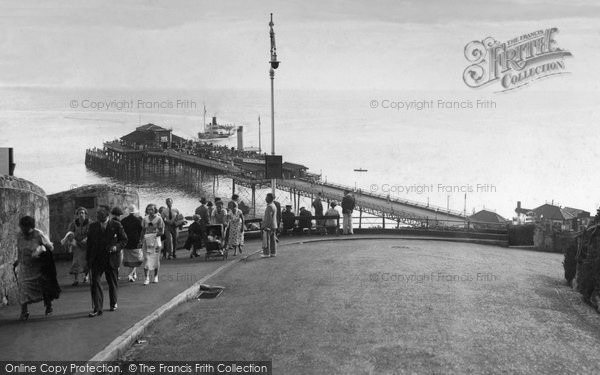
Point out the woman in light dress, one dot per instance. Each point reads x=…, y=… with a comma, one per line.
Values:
x=76, y=242
x=153, y=228
x=235, y=231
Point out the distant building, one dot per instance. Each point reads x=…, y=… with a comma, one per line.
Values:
x=582, y=217
x=486, y=219
x=524, y=215
x=291, y=170
x=151, y=136
x=566, y=218
x=486, y=216
x=253, y=170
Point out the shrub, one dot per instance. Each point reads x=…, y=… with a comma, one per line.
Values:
x=588, y=266
x=570, y=262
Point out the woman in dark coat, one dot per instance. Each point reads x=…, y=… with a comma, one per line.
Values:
x=195, y=235
x=36, y=275
x=132, y=253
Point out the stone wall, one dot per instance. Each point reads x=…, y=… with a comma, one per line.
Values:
x=18, y=198
x=546, y=238
x=64, y=204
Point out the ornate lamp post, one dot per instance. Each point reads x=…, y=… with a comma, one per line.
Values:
x=274, y=65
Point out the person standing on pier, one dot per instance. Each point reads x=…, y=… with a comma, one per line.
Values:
x=269, y=227
x=172, y=220
x=348, y=204
x=132, y=253
x=106, y=238
x=318, y=206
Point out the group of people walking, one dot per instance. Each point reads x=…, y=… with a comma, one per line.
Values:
x=100, y=247
x=208, y=216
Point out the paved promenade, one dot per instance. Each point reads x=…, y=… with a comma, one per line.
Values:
x=69, y=334
x=389, y=307
x=350, y=304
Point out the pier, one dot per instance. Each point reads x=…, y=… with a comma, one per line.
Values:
x=152, y=149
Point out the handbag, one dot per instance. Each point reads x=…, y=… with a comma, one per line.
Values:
x=152, y=242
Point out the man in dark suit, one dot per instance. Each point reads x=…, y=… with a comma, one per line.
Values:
x=106, y=238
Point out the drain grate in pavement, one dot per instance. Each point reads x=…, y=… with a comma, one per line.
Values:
x=209, y=292
x=400, y=247
x=208, y=295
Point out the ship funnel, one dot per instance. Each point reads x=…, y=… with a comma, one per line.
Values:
x=240, y=138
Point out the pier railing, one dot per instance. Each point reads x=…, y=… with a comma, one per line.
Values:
x=359, y=193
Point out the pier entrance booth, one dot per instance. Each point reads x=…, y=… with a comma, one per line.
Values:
x=64, y=204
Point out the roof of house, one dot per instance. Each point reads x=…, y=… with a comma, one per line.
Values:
x=551, y=212
x=487, y=217
x=576, y=212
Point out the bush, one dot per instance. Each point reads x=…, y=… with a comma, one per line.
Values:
x=588, y=266
x=570, y=262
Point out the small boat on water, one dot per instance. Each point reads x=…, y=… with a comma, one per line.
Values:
x=214, y=131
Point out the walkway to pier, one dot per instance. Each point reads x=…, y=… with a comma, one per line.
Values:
x=375, y=204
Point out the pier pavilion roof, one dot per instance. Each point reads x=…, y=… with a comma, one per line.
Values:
x=151, y=128
x=139, y=136
x=293, y=167
x=147, y=133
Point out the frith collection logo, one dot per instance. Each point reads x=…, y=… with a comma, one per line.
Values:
x=515, y=63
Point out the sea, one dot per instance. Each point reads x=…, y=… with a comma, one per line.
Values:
x=465, y=152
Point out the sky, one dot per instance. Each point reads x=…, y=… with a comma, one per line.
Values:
x=539, y=143
x=380, y=44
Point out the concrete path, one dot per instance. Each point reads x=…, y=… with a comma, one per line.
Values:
x=69, y=334
x=388, y=307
